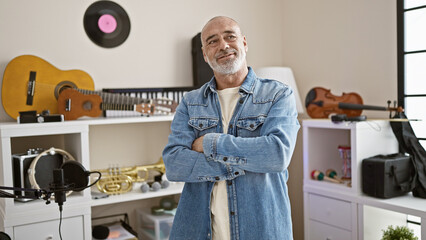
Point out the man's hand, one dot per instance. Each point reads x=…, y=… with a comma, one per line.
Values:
x=197, y=145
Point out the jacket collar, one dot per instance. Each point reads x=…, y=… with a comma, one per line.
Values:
x=247, y=86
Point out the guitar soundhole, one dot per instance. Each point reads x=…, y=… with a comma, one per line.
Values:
x=87, y=105
x=63, y=85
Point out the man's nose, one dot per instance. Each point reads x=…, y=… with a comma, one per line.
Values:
x=223, y=44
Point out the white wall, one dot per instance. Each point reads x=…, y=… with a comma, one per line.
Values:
x=158, y=50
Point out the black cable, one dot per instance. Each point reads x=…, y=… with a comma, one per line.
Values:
x=97, y=180
x=60, y=222
x=82, y=188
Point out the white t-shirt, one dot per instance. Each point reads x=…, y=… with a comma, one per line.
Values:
x=219, y=203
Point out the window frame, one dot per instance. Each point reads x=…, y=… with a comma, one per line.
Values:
x=401, y=53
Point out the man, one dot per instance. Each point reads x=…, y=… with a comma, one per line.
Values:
x=231, y=143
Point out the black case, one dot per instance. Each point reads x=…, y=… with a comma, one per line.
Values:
x=201, y=70
x=44, y=171
x=387, y=176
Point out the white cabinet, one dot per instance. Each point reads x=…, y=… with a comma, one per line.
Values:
x=340, y=211
x=72, y=228
x=96, y=143
x=321, y=231
x=330, y=211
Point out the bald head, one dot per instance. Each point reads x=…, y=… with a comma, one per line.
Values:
x=216, y=22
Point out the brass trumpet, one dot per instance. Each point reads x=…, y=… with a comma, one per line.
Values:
x=120, y=180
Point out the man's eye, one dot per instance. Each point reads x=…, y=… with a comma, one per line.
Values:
x=212, y=42
x=232, y=37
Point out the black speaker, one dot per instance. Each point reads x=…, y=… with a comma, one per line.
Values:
x=201, y=70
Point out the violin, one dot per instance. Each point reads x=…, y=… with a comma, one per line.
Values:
x=320, y=103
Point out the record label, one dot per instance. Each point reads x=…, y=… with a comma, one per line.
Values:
x=106, y=23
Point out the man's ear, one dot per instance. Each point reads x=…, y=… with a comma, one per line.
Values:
x=204, y=55
x=245, y=43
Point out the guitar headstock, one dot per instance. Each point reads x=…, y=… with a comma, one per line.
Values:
x=162, y=106
x=145, y=108
x=165, y=105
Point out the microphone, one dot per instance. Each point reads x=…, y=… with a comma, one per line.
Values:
x=58, y=187
x=76, y=175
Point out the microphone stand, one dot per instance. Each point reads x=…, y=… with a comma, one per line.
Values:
x=38, y=193
x=57, y=187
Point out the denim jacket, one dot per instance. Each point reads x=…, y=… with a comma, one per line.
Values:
x=253, y=159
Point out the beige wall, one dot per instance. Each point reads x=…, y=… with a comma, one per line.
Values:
x=344, y=45
x=158, y=50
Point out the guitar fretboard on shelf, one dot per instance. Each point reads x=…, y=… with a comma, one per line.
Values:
x=175, y=94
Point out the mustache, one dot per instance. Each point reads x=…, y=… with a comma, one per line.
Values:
x=225, y=52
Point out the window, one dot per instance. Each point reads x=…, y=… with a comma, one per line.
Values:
x=411, y=17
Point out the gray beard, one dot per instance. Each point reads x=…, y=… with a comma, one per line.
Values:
x=229, y=67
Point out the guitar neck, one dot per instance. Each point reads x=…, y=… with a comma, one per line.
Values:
x=116, y=99
x=141, y=108
x=117, y=106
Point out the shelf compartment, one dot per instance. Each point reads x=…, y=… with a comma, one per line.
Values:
x=321, y=141
x=321, y=148
x=136, y=194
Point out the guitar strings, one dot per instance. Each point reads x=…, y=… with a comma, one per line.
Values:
x=116, y=101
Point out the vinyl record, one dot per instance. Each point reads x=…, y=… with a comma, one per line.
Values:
x=106, y=23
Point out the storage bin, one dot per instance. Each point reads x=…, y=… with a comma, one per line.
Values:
x=155, y=227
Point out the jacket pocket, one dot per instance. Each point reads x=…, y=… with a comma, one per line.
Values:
x=203, y=125
x=250, y=127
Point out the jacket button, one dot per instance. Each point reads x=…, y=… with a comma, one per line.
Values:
x=230, y=126
x=236, y=173
x=241, y=101
x=251, y=125
x=229, y=183
x=200, y=125
x=217, y=178
x=232, y=213
x=225, y=159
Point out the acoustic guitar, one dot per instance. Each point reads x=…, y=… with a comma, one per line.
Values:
x=33, y=84
x=76, y=103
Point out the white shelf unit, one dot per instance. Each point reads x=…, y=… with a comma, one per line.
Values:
x=339, y=211
x=81, y=138
x=135, y=194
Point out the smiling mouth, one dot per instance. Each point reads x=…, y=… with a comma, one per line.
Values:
x=226, y=56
